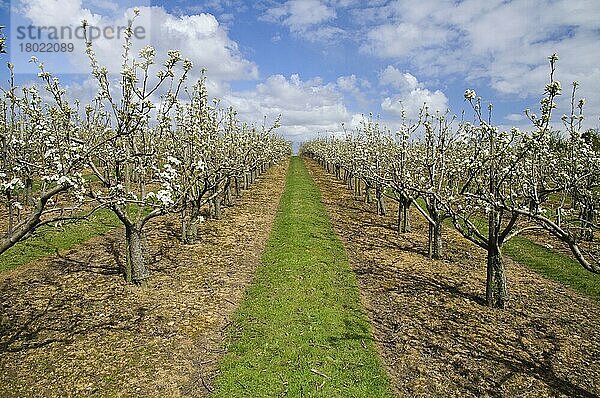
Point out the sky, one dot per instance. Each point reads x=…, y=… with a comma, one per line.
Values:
x=324, y=63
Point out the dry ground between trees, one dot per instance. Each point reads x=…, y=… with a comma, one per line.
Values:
x=70, y=326
x=430, y=325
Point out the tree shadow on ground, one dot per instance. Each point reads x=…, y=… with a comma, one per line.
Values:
x=76, y=293
x=45, y=314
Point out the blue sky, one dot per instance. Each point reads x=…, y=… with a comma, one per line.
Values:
x=321, y=63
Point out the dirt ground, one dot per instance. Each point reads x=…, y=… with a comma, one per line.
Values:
x=70, y=326
x=430, y=325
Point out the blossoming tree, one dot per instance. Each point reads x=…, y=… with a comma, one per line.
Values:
x=42, y=158
x=493, y=184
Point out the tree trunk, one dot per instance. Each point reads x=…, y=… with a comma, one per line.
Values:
x=29, y=191
x=381, y=210
x=191, y=233
x=587, y=221
x=435, y=230
x=135, y=266
x=367, y=193
x=10, y=213
x=437, y=240
x=496, y=289
x=227, y=191
x=496, y=292
x=217, y=207
x=430, y=240
x=189, y=228
x=400, y=214
x=404, y=216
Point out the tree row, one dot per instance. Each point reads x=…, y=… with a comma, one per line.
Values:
x=491, y=184
x=148, y=145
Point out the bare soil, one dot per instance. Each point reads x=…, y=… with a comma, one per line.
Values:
x=70, y=326
x=430, y=324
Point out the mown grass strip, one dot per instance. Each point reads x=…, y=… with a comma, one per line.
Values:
x=300, y=331
x=48, y=240
x=553, y=265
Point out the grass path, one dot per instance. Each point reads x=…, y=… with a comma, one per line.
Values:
x=300, y=331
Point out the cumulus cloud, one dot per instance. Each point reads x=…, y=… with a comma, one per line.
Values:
x=410, y=103
x=411, y=94
x=503, y=43
x=205, y=42
x=325, y=34
x=218, y=6
x=355, y=86
x=56, y=12
x=393, y=77
x=200, y=37
x=307, y=107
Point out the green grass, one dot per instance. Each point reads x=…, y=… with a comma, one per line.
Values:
x=300, y=331
x=48, y=240
x=553, y=265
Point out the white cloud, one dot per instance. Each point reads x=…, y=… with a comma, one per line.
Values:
x=309, y=19
x=218, y=6
x=205, y=42
x=325, y=34
x=347, y=83
x=56, y=12
x=393, y=77
x=515, y=117
x=298, y=15
x=411, y=102
x=201, y=37
x=503, y=43
x=355, y=86
x=397, y=40
x=411, y=95
x=276, y=38
x=104, y=5
x=307, y=107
